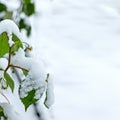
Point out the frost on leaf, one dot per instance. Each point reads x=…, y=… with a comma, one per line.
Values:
x=30, y=91
x=29, y=99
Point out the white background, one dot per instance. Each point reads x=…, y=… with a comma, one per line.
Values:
x=81, y=41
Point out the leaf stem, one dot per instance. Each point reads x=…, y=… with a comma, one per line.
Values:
x=9, y=58
x=18, y=67
x=5, y=98
x=47, y=77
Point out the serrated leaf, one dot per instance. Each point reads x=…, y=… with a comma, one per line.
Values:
x=9, y=81
x=27, y=101
x=2, y=7
x=4, y=46
x=25, y=72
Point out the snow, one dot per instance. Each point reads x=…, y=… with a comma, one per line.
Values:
x=15, y=59
x=50, y=92
x=81, y=41
x=29, y=84
x=10, y=112
x=10, y=27
x=36, y=68
x=13, y=5
x=3, y=63
x=35, y=80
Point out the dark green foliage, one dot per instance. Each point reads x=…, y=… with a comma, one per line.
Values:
x=24, y=25
x=29, y=9
x=2, y=7
x=27, y=1
x=2, y=114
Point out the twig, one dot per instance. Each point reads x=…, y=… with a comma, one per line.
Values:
x=9, y=58
x=5, y=98
x=18, y=67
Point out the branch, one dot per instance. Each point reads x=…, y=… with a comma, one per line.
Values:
x=9, y=58
x=47, y=77
x=5, y=98
x=18, y=67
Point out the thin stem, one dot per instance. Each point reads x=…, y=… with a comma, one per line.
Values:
x=47, y=77
x=9, y=58
x=18, y=67
x=26, y=44
x=5, y=98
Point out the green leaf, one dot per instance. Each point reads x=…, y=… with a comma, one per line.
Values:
x=4, y=46
x=24, y=25
x=29, y=9
x=28, y=29
x=1, y=109
x=1, y=69
x=27, y=1
x=25, y=72
x=2, y=7
x=8, y=15
x=17, y=44
x=15, y=47
x=9, y=81
x=27, y=101
x=15, y=39
x=2, y=114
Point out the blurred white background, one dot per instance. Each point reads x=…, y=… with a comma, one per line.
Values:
x=81, y=41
